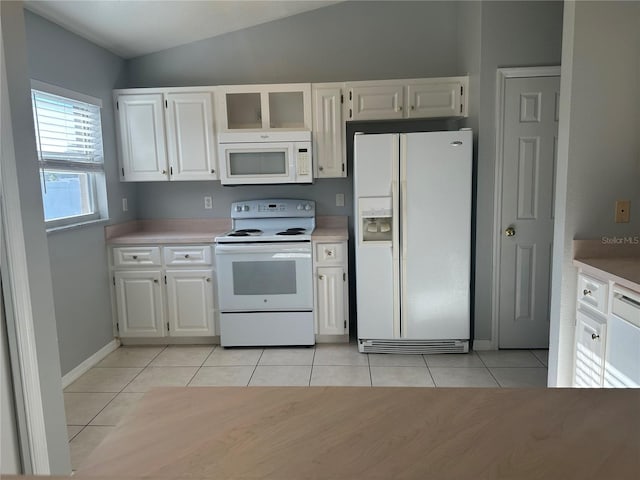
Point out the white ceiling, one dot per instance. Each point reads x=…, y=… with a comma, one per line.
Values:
x=130, y=28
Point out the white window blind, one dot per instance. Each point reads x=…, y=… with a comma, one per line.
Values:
x=69, y=146
x=67, y=132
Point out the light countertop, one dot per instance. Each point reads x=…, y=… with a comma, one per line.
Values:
x=189, y=231
x=327, y=433
x=618, y=263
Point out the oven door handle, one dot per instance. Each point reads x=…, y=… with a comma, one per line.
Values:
x=263, y=248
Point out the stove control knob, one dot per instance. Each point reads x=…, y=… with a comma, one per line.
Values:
x=299, y=207
x=245, y=208
x=238, y=208
x=307, y=207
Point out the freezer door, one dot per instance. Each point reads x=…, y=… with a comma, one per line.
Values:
x=376, y=160
x=435, y=234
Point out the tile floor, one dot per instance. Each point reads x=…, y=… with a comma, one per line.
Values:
x=103, y=396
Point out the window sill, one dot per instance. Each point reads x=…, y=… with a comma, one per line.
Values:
x=75, y=226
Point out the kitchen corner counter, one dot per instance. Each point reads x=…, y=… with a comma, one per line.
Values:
x=618, y=263
x=331, y=229
x=171, y=231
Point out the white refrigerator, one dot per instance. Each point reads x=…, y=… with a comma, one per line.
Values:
x=412, y=195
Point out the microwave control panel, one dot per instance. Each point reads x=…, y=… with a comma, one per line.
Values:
x=303, y=161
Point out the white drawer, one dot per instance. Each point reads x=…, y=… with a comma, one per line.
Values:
x=136, y=256
x=330, y=253
x=187, y=255
x=593, y=292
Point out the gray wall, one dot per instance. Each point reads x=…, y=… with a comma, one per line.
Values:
x=514, y=34
x=598, y=149
x=35, y=241
x=347, y=41
x=78, y=256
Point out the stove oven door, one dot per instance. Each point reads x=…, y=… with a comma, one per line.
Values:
x=259, y=277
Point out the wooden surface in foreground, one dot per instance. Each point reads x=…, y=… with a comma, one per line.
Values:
x=380, y=433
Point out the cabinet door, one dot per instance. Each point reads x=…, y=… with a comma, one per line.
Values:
x=331, y=306
x=139, y=304
x=376, y=102
x=190, y=302
x=142, y=137
x=190, y=136
x=441, y=99
x=328, y=132
x=589, y=353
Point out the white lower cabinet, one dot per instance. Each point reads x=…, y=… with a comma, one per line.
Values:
x=190, y=302
x=589, y=351
x=140, y=306
x=168, y=294
x=332, y=296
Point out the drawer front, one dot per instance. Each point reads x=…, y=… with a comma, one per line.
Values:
x=333, y=253
x=136, y=256
x=188, y=255
x=593, y=292
x=626, y=305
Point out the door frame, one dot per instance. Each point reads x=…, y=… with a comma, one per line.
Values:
x=502, y=75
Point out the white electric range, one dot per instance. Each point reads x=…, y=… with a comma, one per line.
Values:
x=265, y=285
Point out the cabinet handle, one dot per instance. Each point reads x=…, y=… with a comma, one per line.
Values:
x=321, y=168
x=594, y=336
x=400, y=107
x=329, y=253
x=186, y=255
x=164, y=172
x=155, y=280
x=321, y=277
x=213, y=171
x=586, y=292
x=208, y=279
x=413, y=107
x=135, y=257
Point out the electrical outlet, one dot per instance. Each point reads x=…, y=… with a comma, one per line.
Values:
x=208, y=203
x=125, y=205
x=623, y=211
x=339, y=199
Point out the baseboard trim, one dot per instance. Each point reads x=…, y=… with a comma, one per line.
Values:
x=93, y=360
x=482, y=345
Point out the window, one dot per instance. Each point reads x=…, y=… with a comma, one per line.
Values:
x=69, y=144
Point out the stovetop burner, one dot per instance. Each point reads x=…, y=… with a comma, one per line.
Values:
x=292, y=231
x=245, y=232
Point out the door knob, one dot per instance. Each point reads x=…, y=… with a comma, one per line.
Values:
x=510, y=232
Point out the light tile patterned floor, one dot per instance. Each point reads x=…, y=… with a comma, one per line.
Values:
x=107, y=393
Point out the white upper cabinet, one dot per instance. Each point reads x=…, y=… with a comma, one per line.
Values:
x=166, y=135
x=328, y=130
x=413, y=98
x=190, y=138
x=142, y=137
x=376, y=102
x=435, y=99
x=265, y=107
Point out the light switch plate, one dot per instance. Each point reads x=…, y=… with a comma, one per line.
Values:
x=125, y=205
x=339, y=199
x=623, y=211
x=208, y=203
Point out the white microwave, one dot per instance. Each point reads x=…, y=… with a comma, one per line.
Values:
x=262, y=158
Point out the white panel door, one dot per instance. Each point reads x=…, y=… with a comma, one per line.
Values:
x=328, y=132
x=435, y=205
x=434, y=100
x=331, y=314
x=376, y=102
x=142, y=137
x=376, y=175
x=139, y=302
x=190, y=302
x=190, y=139
x=529, y=153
